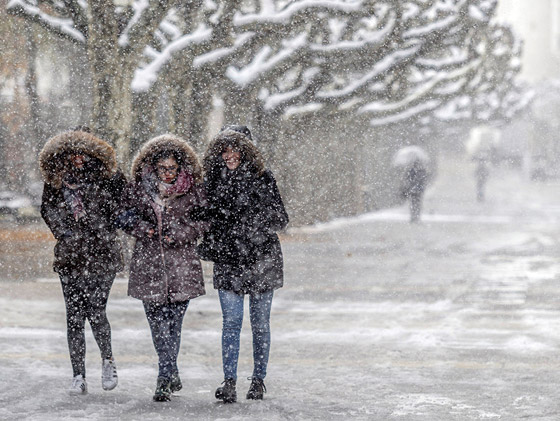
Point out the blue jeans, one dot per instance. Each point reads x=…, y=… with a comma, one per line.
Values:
x=166, y=322
x=232, y=312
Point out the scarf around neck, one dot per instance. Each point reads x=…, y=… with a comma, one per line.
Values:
x=72, y=192
x=182, y=185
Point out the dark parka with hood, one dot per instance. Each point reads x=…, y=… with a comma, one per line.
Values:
x=162, y=271
x=80, y=205
x=415, y=180
x=245, y=210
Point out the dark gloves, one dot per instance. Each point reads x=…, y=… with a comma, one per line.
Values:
x=199, y=213
x=208, y=213
x=66, y=234
x=126, y=220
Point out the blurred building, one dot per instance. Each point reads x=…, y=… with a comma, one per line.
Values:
x=537, y=22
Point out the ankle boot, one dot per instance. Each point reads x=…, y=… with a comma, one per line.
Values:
x=163, y=390
x=227, y=392
x=257, y=389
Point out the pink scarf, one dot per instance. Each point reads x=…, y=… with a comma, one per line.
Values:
x=182, y=184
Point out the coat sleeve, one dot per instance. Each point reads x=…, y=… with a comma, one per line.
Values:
x=102, y=203
x=118, y=186
x=115, y=199
x=128, y=218
x=271, y=211
x=53, y=214
x=187, y=230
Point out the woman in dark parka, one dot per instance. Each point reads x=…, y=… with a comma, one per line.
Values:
x=245, y=210
x=165, y=272
x=81, y=197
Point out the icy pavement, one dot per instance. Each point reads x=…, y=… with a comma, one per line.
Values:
x=456, y=318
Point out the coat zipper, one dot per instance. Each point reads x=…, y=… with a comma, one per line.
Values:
x=160, y=240
x=160, y=229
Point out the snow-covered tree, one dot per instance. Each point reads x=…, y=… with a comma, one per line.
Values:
x=115, y=37
x=383, y=61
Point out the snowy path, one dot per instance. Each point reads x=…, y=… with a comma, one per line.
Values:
x=453, y=319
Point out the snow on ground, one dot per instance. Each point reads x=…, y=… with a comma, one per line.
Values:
x=456, y=318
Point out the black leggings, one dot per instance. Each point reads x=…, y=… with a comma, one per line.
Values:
x=86, y=298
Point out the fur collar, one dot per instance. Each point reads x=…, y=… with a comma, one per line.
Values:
x=162, y=143
x=53, y=158
x=251, y=158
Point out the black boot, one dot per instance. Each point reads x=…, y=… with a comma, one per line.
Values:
x=163, y=390
x=175, y=385
x=257, y=389
x=227, y=392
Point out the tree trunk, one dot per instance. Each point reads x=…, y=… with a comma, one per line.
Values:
x=179, y=97
x=112, y=74
x=121, y=121
x=33, y=132
x=190, y=108
x=144, y=117
x=268, y=130
x=200, y=108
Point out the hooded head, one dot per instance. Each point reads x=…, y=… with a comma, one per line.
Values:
x=251, y=158
x=55, y=157
x=165, y=146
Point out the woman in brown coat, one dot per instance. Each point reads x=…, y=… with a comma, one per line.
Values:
x=81, y=197
x=165, y=272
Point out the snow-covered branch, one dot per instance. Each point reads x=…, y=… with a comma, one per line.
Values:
x=384, y=60
x=146, y=76
x=265, y=60
x=63, y=27
x=147, y=17
x=297, y=8
x=357, y=85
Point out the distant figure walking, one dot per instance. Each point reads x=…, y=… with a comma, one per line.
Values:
x=413, y=185
x=411, y=164
x=165, y=272
x=245, y=210
x=481, y=173
x=81, y=197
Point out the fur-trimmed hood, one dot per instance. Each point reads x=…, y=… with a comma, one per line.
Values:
x=250, y=155
x=53, y=159
x=166, y=142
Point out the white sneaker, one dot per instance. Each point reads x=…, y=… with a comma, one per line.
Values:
x=109, y=379
x=78, y=386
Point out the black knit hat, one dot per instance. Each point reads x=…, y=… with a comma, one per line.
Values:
x=239, y=129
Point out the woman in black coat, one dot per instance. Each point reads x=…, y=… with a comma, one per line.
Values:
x=81, y=197
x=245, y=210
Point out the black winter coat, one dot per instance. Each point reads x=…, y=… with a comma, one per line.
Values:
x=245, y=211
x=90, y=244
x=415, y=181
x=80, y=205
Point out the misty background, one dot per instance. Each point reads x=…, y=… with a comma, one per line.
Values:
x=452, y=318
x=331, y=89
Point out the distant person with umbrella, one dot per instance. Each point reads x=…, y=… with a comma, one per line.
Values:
x=481, y=173
x=413, y=161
